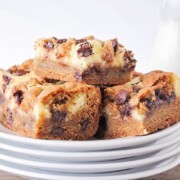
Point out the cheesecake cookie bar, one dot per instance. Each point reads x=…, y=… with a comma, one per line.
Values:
x=84, y=60
x=46, y=109
x=146, y=104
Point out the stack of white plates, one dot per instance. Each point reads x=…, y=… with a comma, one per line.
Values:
x=124, y=158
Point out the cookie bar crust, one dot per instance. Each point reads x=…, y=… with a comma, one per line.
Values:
x=94, y=75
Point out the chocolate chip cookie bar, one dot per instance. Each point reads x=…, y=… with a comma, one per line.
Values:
x=84, y=60
x=47, y=109
x=146, y=104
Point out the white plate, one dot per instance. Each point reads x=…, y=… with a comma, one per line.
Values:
x=92, y=167
x=119, y=175
x=58, y=156
x=89, y=145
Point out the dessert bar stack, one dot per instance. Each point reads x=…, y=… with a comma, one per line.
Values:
x=75, y=89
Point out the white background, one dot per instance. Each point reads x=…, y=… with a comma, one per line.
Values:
x=133, y=22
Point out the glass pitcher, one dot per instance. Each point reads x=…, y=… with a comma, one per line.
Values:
x=166, y=54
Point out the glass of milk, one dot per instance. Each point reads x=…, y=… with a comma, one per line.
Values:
x=166, y=54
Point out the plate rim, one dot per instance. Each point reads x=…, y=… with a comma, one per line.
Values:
x=96, y=166
x=173, y=163
x=99, y=144
x=92, y=154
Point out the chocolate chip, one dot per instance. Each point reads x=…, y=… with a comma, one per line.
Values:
x=18, y=95
x=115, y=45
x=78, y=76
x=84, y=124
x=85, y=50
x=153, y=104
x=15, y=70
x=135, y=89
x=80, y=41
x=148, y=103
x=6, y=79
x=122, y=97
x=48, y=45
x=10, y=71
x=160, y=94
x=58, y=116
x=58, y=131
x=103, y=123
x=4, y=88
x=129, y=55
x=51, y=80
x=126, y=110
x=161, y=98
x=129, y=60
x=60, y=101
x=20, y=72
x=61, y=41
x=9, y=117
x=172, y=97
